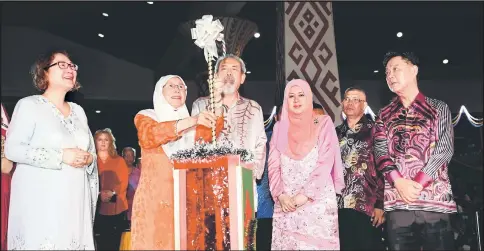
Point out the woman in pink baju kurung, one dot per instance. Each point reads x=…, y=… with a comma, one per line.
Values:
x=305, y=173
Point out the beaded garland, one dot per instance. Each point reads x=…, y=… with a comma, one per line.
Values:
x=212, y=98
x=203, y=152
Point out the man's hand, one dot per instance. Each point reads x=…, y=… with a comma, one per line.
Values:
x=409, y=190
x=378, y=217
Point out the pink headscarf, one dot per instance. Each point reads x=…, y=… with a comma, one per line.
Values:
x=297, y=132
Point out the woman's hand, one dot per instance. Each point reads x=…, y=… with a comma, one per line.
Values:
x=299, y=200
x=106, y=195
x=287, y=204
x=76, y=157
x=206, y=118
x=89, y=159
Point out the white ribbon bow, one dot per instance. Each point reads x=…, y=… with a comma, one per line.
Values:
x=206, y=32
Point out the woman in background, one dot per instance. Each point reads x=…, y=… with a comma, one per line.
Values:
x=305, y=173
x=55, y=186
x=7, y=171
x=113, y=177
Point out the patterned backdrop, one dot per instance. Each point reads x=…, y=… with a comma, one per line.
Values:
x=310, y=52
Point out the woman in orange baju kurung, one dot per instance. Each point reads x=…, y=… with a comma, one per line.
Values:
x=160, y=133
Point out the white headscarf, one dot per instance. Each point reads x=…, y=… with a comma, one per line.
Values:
x=165, y=112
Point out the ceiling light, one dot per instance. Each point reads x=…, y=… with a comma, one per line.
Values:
x=446, y=61
x=98, y=111
x=257, y=35
x=248, y=72
x=100, y=35
x=150, y=2
x=375, y=71
x=399, y=34
x=105, y=14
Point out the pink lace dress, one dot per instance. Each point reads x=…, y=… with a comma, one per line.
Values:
x=313, y=226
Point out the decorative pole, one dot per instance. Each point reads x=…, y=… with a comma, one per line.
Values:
x=206, y=33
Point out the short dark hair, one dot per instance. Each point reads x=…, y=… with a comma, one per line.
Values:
x=129, y=148
x=38, y=70
x=355, y=88
x=410, y=57
x=317, y=106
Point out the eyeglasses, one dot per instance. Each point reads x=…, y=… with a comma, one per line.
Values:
x=63, y=65
x=179, y=87
x=352, y=100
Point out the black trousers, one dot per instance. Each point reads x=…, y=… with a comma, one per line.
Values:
x=108, y=230
x=356, y=231
x=414, y=230
x=264, y=234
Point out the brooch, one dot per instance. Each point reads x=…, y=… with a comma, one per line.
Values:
x=316, y=121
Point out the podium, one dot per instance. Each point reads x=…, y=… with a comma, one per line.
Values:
x=214, y=204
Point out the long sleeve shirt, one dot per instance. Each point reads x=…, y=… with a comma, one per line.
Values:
x=243, y=126
x=420, y=141
x=113, y=176
x=364, y=184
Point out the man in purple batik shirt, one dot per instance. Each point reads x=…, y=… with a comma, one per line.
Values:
x=416, y=133
x=360, y=205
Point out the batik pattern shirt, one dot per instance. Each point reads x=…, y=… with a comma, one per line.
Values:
x=420, y=141
x=363, y=183
x=243, y=126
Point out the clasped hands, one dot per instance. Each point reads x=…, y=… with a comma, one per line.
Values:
x=106, y=195
x=409, y=190
x=76, y=157
x=289, y=204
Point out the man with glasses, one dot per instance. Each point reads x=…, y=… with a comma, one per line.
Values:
x=361, y=201
x=243, y=118
x=416, y=133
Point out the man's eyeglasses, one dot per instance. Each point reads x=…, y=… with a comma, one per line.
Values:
x=352, y=100
x=63, y=65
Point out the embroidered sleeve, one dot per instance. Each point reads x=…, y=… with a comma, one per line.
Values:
x=195, y=107
x=444, y=147
x=204, y=133
x=276, y=185
x=18, y=141
x=384, y=162
x=152, y=134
